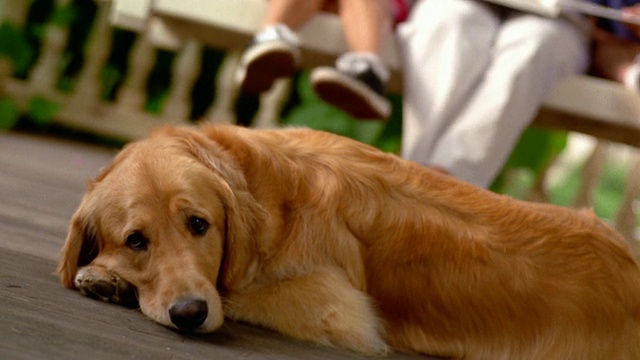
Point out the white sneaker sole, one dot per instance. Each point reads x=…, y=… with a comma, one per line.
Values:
x=261, y=65
x=349, y=95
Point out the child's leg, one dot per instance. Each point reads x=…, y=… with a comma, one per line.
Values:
x=357, y=84
x=273, y=53
x=616, y=59
x=292, y=13
x=366, y=24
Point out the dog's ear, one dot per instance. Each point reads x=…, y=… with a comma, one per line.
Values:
x=244, y=215
x=243, y=219
x=81, y=245
x=206, y=150
x=80, y=248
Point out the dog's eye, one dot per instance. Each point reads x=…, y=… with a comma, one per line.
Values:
x=136, y=241
x=199, y=226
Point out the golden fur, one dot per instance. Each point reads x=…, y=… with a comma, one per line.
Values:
x=329, y=240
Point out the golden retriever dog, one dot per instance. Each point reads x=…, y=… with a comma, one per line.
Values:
x=329, y=240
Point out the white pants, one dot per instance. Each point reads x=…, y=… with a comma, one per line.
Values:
x=474, y=78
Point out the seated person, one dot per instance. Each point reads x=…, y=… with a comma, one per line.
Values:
x=616, y=46
x=357, y=83
x=475, y=75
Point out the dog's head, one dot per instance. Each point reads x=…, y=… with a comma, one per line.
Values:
x=171, y=215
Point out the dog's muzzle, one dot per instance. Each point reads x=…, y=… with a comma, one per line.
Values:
x=188, y=314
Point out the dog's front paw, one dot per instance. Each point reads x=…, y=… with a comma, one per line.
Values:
x=360, y=335
x=102, y=284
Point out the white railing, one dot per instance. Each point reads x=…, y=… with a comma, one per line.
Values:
x=125, y=118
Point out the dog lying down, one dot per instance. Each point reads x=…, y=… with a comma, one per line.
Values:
x=325, y=239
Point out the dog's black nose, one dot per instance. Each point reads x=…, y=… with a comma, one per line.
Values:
x=188, y=314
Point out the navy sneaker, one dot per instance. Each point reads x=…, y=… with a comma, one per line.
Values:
x=272, y=54
x=355, y=86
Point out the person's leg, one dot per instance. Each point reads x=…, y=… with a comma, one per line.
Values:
x=273, y=52
x=292, y=13
x=530, y=56
x=616, y=59
x=446, y=47
x=357, y=83
x=366, y=24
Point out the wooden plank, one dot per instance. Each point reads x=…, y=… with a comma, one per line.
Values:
x=131, y=15
x=555, y=119
x=593, y=106
x=41, y=183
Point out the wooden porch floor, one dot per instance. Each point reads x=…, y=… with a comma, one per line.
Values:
x=41, y=182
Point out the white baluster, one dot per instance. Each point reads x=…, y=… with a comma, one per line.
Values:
x=539, y=192
x=14, y=11
x=222, y=109
x=45, y=72
x=132, y=95
x=87, y=90
x=6, y=69
x=186, y=68
x=590, y=176
x=271, y=103
x=626, y=219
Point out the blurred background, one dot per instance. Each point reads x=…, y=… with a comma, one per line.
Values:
x=66, y=72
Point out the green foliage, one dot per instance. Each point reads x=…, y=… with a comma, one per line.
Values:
x=9, y=113
x=21, y=46
x=323, y=117
x=64, y=16
x=537, y=148
x=14, y=45
x=159, y=81
x=314, y=113
x=114, y=72
x=534, y=152
x=565, y=191
x=41, y=110
x=608, y=193
x=111, y=77
x=390, y=140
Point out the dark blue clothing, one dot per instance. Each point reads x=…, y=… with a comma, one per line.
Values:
x=616, y=27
